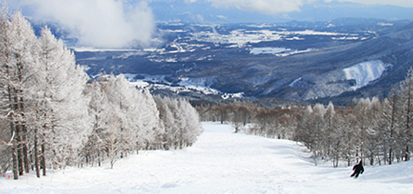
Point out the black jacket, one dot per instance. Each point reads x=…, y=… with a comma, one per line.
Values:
x=358, y=168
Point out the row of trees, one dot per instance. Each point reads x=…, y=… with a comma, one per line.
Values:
x=52, y=115
x=376, y=131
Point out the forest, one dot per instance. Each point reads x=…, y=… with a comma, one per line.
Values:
x=377, y=131
x=53, y=115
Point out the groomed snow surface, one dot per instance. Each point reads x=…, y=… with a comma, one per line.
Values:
x=220, y=162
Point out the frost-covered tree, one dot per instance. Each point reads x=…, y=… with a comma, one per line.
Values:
x=125, y=118
x=336, y=136
x=304, y=129
x=328, y=127
x=189, y=124
x=372, y=140
x=59, y=106
x=99, y=112
x=180, y=121
x=149, y=120
x=139, y=113
x=406, y=131
x=390, y=124
x=17, y=40
x=109, y=125
x=167, y=122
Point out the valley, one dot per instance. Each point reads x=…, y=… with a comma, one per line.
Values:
x=301, y=61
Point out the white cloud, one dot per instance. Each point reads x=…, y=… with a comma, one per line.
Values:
x=98, y=23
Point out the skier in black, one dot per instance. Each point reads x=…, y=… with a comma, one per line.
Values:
x=358, y=169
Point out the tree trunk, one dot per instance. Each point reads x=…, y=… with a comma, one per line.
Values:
x=24, y=138
x=14, y=153
x=23, y=157
x=13, y=140
x=19, y=150
x=407, y=154
x=407, y=158
x=112, y=150
x=36, y=154
x=15, y=163
x=14, y=135
x=390, y=156
x=99, y=163
x=43, y=158
x=26, y=154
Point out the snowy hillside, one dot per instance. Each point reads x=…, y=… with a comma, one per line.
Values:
x=364, y=73
x=219, y=162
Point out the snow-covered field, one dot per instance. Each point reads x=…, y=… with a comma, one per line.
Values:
x=220, y=162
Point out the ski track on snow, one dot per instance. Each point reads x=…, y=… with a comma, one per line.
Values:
x=219, y=162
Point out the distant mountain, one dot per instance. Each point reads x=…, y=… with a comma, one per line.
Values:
x=336, y=60
x=395, y=48
x=204, y=13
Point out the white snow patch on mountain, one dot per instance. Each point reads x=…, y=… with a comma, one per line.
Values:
x=293, y=52
x=346, y=38
x=277, y=51
x=295, y=81
x=385, y=24
x=268, y=50
x=232, y=95
x=365, y=72
x=91, y=49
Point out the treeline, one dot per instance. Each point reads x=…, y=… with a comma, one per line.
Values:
x=53, y=115
x=377, y=131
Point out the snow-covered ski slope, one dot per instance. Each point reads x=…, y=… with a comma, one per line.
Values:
x=220, y=162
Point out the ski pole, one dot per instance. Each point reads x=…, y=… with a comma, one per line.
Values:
x=363, y=177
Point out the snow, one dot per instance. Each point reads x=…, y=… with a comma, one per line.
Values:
x=219, y=162
x=365, y=72
x=268, y=50
x=89, y=49
x=185, y=85
x=385, y=24
x=238, y=37
x=313, y=33
x=295, y=81
x=277, y=51
x=293, y=52
x=346, y=38
x=232, y=95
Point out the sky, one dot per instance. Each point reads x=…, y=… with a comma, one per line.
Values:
x=127, y=23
